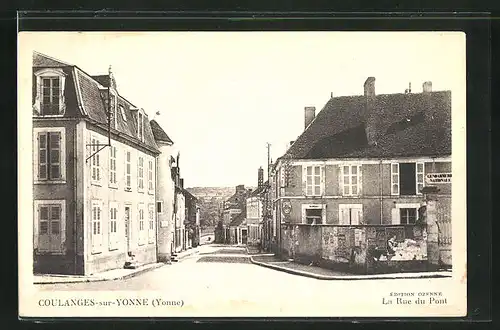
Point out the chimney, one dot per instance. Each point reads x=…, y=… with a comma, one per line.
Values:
x=309, y=114
x=427, y=87
x=371, y=118
x=370, y=87
x=260, y=179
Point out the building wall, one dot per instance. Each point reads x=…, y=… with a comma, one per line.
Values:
x=107, y=256
x=165, y=190
x=180, y=217
x=376, y=199
x=68, y=262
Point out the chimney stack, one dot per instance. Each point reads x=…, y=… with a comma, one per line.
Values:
x=370, y=87
x=260, y=180
x=427, y=87
x=309, y=114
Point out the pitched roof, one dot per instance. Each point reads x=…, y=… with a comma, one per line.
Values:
x=406, y=124
x=158, y=132
x=238, y=220
x=44, y=61
x=91, y=97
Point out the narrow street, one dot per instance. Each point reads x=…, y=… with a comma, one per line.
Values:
x=228, y=271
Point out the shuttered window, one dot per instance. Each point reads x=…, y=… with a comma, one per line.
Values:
x=95, y=161
x=112, y=165
x=112, y=226
x=96, y=230
x=151, y=224
x=351, y=180
x=49, y=233
x=49, y=156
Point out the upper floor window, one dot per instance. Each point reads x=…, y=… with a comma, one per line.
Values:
x=140, y=174
x=128, y=170
x=150, y=177
x=313, y=180
x=49, y=154
x=112, y=166
x=122, y=112
x=95, y=161
x=351, y=180
x=407, y=178
x=49, y=98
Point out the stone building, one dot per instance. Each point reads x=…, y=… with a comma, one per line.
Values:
x=94, y=173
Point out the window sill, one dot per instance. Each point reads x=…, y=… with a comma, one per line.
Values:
x=50, y=253
x=128, y=189
x=50, y=182
x=151, y=192
x=96, y=252
x=96, y=183
x=48, y=116
x=113, y=249
x=112, y=186
x=140, y=191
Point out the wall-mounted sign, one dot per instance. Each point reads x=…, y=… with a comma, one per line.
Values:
x=286, y=207
x=438, y=178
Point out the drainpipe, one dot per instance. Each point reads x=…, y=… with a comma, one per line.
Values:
x=75, y=178
x=381, y=190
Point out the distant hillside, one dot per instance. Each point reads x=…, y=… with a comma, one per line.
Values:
x=211, y=199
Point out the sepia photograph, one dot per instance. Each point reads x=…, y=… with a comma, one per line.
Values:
x=242, y=174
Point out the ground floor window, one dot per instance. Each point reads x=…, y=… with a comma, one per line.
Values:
x=313, y=214
x=408, y=216
x=350, y=214
x=405, y=213
x=50, y=219
x=96, y=229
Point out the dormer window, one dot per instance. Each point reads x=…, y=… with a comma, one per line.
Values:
x=49, y=98
x=122, y=111
x=113, y=107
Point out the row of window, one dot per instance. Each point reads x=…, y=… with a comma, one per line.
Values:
x=406, y=179
x=50, y=220
x=352, y=214
x=121, y=226
x=145, y=168
x=50, y=161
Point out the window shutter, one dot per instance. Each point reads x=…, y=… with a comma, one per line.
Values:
x=304, y=181
x=42, y=156
x=55, y=155
x=394, y=179
x=360, y=180
x=395, y=217
x=322, y=180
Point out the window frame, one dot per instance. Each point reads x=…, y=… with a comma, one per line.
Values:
x=151, y=223
x=140, y=125
x=96, y=221
x=151, y=186
x=113, y=170
x=113, y=236
x=49, y=73
x=313, y=176
x=306, y=207
x=128, y=170
x=61, y=203
x=396, y=211
x=141, y=224
x=140, y=173
x=62, y=155
x=407, y=216
x=350, y=207
x=95, y=160
x=161, y=207
x=397, y=174
x=350, y=176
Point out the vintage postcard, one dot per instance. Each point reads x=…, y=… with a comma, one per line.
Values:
x=242, y=174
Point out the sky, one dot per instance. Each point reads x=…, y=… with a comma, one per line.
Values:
x=223, y=95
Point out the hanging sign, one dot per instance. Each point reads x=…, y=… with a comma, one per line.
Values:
x=438, y=178
x=286, y=207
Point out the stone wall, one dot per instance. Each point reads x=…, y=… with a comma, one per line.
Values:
x=358, y=249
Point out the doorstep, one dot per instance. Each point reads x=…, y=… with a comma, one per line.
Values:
x=321, y=274
x=110, y=275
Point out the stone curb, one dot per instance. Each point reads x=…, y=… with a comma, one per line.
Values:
x=346, y=277
x=97, y=279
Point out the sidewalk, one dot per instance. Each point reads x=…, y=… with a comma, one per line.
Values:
x=272, y=262
x=184, y=254
x=110, y=275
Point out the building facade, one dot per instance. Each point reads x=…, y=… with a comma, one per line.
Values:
x=234, y=207
x=365, y=159
x=94, y=183
x=255, y=210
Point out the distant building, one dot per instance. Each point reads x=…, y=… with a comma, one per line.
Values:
x=255, y=204
x=232, y=207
